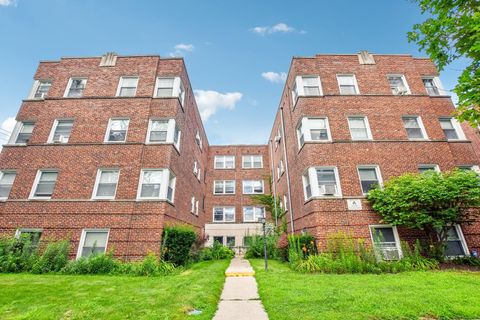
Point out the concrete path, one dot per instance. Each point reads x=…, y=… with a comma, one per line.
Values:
x=240, y=299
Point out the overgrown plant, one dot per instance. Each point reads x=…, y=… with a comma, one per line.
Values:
x=53, y=258
x=256, y=247
x=431, y=202
x=177, y=242
x=17, y=254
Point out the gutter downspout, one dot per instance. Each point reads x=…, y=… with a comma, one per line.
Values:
x=286, y=170
x=273, y=184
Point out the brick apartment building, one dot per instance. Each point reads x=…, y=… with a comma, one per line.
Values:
x=108, y=150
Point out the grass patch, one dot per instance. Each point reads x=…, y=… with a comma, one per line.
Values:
x=287, y=294
x=26, y=296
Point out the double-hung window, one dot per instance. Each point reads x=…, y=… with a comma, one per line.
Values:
x=253, y=214
x=280, y=169
x=313, y=129
x=347, y=84
x=156, y=184
x=75, y=88
x=224, y=214
x=252, y=162
x=44, y=184
x=253, y=186
x=369, y=178
x=163, y=131
x=321, y=182
x=414, y=127
x=106, y=184
x=61, y=131
x=359, y=128
x=166, y=87
x=224, y=162
x=224, y=187
x=6, y=182
x=22, y=132
x=386, y=242
x=117, y=130
x=127, y=87
x=92, y=241
x=452, y=129
x=398, y=84
x=306, y=86
x=40, y=89
x=433, y=86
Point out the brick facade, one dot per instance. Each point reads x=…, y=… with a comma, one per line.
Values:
x=135, y=226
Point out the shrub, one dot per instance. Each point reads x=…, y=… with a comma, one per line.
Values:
x=469, y=261
x=176, y=244
x=54, y=257
x=216, y=252
x=255, y=248
x=17, y=255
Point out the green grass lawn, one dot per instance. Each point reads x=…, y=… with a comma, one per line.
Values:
x=26, y=296
x=411, y=295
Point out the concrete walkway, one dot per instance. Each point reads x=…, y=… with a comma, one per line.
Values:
x=240, y=299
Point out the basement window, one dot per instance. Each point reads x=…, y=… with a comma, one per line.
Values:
x=386, y=242
x=92, y=241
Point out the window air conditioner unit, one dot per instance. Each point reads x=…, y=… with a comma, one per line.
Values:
x=61, y=139
x=328, y=189
x=400, y=92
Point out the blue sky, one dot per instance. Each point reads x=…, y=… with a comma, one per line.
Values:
x=227, y=46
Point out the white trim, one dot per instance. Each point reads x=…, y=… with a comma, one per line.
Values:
x=120, y=85
x=355, y=83
x=178, y=89
x=306, y=126
x=2, y=172
x=70, y=80
x=404, y=80
x=223, y=212
x=37, y=180
x=107, y=133
x=81, y=243
x=367, y=127
x=377, y=172
x=311, y=175
x=395, y=235
x=420, y=124
x=253, y=188
x=97, y=181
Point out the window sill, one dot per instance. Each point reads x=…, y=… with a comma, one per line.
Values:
x=39, y=199
x=224, y=194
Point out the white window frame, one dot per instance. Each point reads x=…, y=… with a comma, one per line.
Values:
x=97, y=182
x=311, y=175
x=2, y=172
x=456, y=125
x=438, y=85
x=395, y=234
x=224, y=188
x=285, y=203
x=224, y=162
x=54, y=128
x=70, y=80
x=196, y=207
x=178, y=89
x=244, y=182
x=254, y=212
x=405, y=83
x=81, y=243
x=420, y=124
x=120, y=85
x=164, y=184
x=37, y=180
x=355, y=83
x=436, y=168
x=463, y=242
x=198, y=140
x=304, y=128
x=192, y=205
x=223, y=211
x=171, y=128
x=35, y=86
x=16, y=132
x=252, y=157
x=298, y=89
x=367, y=128
x=280, y=169
x=377, y=172
x=107, y=133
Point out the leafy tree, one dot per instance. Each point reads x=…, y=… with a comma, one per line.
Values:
x=430, y=201
x=453, y=31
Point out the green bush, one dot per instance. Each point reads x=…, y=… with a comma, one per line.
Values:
x=17, y=254
x=216, y=252
x=255, y=247
x=469, y=261
x=177, y=242
x=94, y=264
x=54, y=257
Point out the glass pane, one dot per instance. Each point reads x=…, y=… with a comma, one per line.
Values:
x=7, y=178
x=326, y=176
x=5, y=190
x=218, y=214
x=415, y=133
x=127, y=92
x=117, y=135
x=164, y=92
x=359, y=134
x=108, y=176
x=454, y=248
x=319, y=134
x=451, y=133
x=346, y=80
x=95, y=238
x=348, y=90
x=48, y=176
x=229, y=186
x=218, y=187
x=129, y=82
x=383, y=235
x=423, y=169
x=27, y=127
x=119, y=124
x=152, y=176
x=411, y=122
x=229, y=214
x=106, y=189
x=165, y=82
x=218, y=239
x=312, y=91
x=231, y=241
x=86, y=251
x=159, y=125
x=368, y=174
x=248, y=214
x=44, y=189
x=358, y=122
x=158, y=136
x=150, y=191
x=317, y=123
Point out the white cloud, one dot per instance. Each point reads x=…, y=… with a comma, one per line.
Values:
x=181, y=49
x=275, y=77
x=279, y=27
x=209, y=101
x=6, y=129
x=7, y=3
